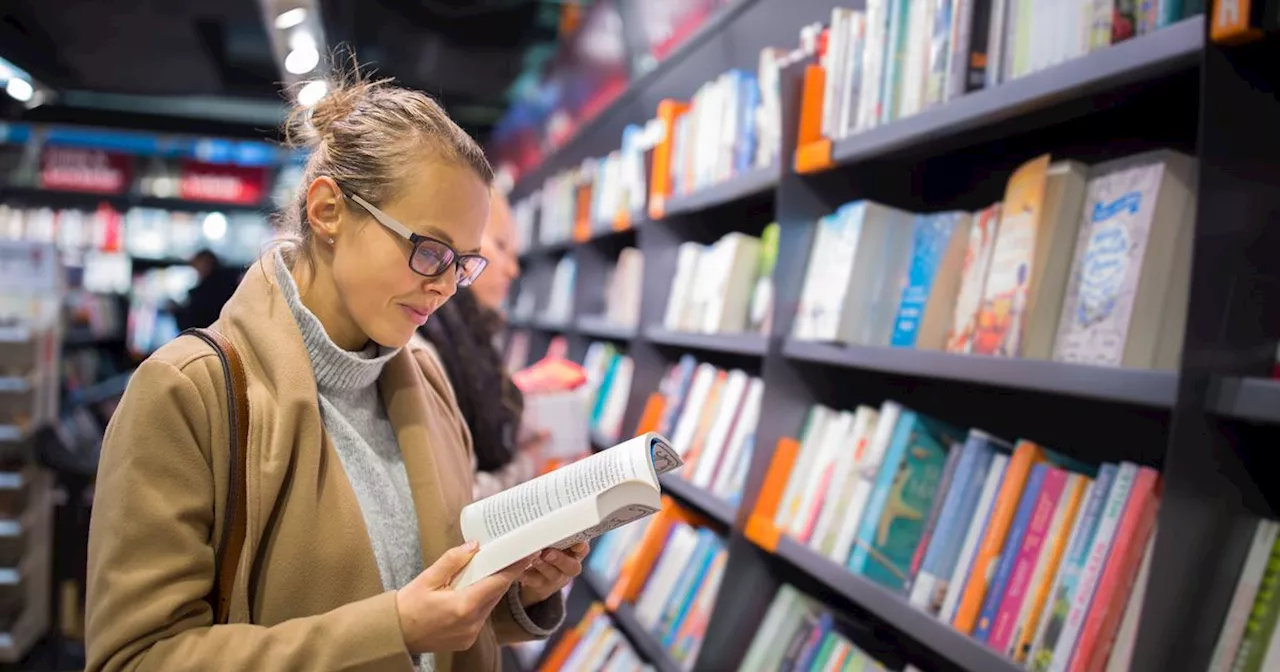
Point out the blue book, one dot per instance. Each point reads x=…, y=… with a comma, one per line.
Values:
x=1009, y=553
x=985, y=514
x=932, y=237
x=686, y=588
x=957, y=511
x=811, y=648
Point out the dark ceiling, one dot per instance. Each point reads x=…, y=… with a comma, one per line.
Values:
x=207, y=67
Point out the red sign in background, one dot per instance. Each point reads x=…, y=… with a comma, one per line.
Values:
x=88, y=170
x=240, y=185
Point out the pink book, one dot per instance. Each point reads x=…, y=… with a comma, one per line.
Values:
x=1136, y=525
x=807, y=530
x=1055, y=482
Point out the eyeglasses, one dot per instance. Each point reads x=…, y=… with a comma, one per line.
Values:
x=430, y=257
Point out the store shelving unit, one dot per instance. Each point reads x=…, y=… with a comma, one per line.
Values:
x=1208, y=426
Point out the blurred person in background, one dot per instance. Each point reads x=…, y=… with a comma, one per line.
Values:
x=464, y=336
x=358, y=461
x=214, y=287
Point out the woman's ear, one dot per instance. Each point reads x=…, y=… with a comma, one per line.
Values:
x=324, y=208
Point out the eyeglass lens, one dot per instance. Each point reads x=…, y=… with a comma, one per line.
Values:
x=433, y=258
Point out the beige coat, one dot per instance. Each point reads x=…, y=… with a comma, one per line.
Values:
x=307, y=573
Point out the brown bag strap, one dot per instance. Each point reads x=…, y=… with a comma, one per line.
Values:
x=234, y=522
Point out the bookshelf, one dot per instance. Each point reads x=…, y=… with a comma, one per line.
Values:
x=1207, y=425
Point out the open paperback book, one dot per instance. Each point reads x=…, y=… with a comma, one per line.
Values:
x=575, y=503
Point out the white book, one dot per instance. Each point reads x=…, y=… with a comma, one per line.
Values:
x=673, y=562
x=1126, y=301
x=869, y=101
x=681, y=283
x=743, y=431
x=840, y=491
x=1255, y=565
x=575, y=503
x=565, y=416
x=915, y=72
x=715, y=446
x=879, y=275
x=1103, y=539
x=1127, y=636
x=834, y=64
x=828, y=277
x=972, y=537
x=835, y=442
x=703, y=378
x=782, y=603
x=730, y=284
x=864, y=481
x=853, y=75
x=610, y=421
x=821, y=419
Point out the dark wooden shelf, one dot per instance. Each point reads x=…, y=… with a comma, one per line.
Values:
x=1255, y=400
x=1139, y=59
x=596, y=326
x=738, y=187
x=752, y=345
x=1112, y=384
x=962, y=650
x=700, y=499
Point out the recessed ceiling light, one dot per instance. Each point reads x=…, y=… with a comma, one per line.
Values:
x=215, y=226
x=20, y=89
x=291, y=18
x=312, y=92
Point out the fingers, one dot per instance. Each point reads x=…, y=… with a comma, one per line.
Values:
x=566, y=564
x=542, y=569
x=580, y=550
x=442, y=571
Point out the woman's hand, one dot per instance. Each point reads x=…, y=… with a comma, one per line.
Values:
x=551, y=571
x=436, y=618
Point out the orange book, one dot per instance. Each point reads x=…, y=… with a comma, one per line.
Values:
x=1136, y=525
x=1072, y=499
x=566, y=645
x=1236, y=21
x=760, y=527
x=1025, y=456
x=660, y=172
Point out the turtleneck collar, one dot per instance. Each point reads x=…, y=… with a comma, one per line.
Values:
x=335, y=368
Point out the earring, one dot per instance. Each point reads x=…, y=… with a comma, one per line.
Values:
x=331, y=240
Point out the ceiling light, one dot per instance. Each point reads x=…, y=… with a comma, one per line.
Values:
x=291, y=18
x=312, y=92
x=301, y=39
x=215, y=226
x=20, y=89
x=302, y=61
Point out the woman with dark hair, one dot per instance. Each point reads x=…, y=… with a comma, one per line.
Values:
x=463, y=334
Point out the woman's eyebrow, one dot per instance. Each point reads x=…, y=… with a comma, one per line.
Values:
x=441, y=235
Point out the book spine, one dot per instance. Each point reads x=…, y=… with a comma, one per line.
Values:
x=860, y=555
x=1103, y=539
x=1032, y=545
x=1009, y=554
x=944, y=489
x=1255, y=564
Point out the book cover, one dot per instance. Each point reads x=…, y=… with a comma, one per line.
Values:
x=1002, y=309
x=1053, y=620
x=1009, y=553
x=904, y=493
x=1077, y=492
x=974, y=532
x=931, y=521
x=1027, y=557
x=1109, y=255
x=931, y=237
x=973, y=278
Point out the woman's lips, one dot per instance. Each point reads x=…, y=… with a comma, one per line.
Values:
x=416, y=315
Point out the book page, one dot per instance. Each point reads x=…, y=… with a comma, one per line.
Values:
x=525, y=503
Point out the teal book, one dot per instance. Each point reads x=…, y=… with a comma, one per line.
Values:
x=904, y=492
x=602, y=393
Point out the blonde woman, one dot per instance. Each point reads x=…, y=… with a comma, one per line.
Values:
x=358, y=459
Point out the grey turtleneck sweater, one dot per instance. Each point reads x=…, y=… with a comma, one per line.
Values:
x=356, y=421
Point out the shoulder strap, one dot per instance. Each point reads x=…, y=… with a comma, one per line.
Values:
x=234, y=515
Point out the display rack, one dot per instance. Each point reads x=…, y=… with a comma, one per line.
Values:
x=1208, y=426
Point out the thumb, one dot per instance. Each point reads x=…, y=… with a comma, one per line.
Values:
x=442, y=571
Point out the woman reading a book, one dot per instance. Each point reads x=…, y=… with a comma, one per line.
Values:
x=463, y=334
x=324, y=535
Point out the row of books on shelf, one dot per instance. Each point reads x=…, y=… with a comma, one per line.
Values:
x=147, y=233
x=798, y=635
x=711, y=416
x=620, y=297
x=609, y=374
x=150, y=322
x=1077, y=264
x=1028, y=551
x=724, y=287
x=596, y=644
x=895, y=58
x=729, y=126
